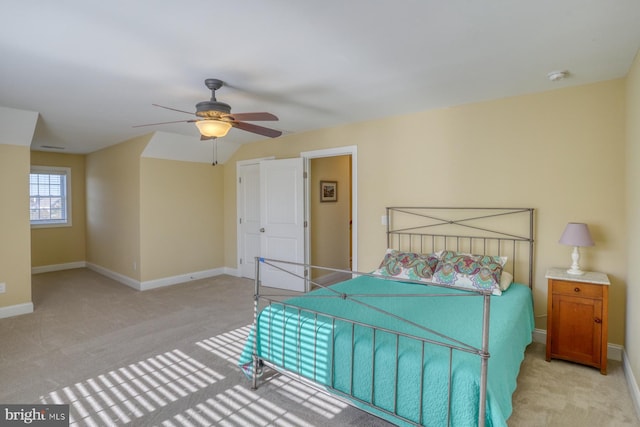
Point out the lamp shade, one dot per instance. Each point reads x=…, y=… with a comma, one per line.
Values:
x=215, y=128
x=576, y=234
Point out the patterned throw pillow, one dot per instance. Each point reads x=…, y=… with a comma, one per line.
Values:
x=407, y=265
x=470, y=271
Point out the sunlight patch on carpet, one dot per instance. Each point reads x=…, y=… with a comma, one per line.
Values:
x=122, y=395
x=304, y=395
x=236, y=407
x=228, y=345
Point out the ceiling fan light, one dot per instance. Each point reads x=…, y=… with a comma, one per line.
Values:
x=213, y=128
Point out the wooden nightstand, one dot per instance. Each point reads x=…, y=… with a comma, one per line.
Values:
x=577, y=311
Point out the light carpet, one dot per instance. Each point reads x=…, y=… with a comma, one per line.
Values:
x=167, y=356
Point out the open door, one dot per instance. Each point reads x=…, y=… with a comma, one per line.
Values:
x=282, y=221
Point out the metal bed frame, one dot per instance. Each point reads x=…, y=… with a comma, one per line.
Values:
x=412, y=229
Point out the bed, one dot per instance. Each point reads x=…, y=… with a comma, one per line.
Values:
x=404, y=342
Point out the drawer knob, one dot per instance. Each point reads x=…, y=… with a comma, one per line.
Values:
x=576, y=289
x=597, y=320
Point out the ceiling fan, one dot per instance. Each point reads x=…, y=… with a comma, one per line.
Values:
x=215, y=117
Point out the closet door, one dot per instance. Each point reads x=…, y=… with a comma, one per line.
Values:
x=282, y=221
x=248, y=218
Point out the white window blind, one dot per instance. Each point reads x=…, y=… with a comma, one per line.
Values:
x=49, y=196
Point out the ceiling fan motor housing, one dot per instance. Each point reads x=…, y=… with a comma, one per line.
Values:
x=212, y=109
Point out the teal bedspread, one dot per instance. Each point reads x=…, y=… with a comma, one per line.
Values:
x=385, y=371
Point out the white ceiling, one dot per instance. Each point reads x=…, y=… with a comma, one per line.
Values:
x=93, y=69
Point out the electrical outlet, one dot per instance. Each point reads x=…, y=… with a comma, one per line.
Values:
x=3, y=288
x=384, y=220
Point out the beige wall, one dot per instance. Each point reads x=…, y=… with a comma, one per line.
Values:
x=329, y=221
x=15, y=259
x=113, y=207
x=145, y=219
x=632, y=341
x=61, y=245
x=561, y=152
x=181, y=218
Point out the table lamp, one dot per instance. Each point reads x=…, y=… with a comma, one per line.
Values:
x=576, y=234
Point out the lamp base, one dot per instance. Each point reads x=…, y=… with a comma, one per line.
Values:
x=575, y=266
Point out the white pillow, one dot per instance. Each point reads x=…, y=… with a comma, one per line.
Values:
x=505, y=280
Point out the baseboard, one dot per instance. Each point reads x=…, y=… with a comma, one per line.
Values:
x=231, y=271
x=136, y=284
x=58, y=267
x=156, y=283
x=540, y=336
x=16, y=310
x=181, y=278
x=125, y=280
x=614, y=351
x=632, y=383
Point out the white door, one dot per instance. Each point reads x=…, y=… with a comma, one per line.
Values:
x=282, y=221
x=249, y=218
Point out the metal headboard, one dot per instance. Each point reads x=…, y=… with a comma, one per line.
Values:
x=484, y=231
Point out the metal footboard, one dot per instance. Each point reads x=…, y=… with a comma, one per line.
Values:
x=275, y=345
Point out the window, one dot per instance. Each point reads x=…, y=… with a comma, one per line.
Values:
x=50, y=196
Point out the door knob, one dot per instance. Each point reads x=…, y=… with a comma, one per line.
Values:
x=262, y=230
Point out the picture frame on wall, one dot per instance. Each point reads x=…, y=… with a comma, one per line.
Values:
x=328, y=191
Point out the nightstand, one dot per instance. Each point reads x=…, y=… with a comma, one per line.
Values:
x=577, y=309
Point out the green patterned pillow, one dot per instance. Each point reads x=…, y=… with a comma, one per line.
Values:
x=470, y=271
x=407, y=265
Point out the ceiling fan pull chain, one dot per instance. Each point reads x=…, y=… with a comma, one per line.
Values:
x=215, y=152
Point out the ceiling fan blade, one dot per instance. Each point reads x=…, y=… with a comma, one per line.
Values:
x=165, y=123
x=174, y=109
x=259, y=117
x=260, y=130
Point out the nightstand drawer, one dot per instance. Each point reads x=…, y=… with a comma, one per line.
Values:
x=577, y=289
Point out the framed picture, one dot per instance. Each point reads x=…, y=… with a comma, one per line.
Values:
x=328, y=191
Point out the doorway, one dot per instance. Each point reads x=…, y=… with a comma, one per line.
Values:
x=330, y=216
x=345, y=222
x=348, y=185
